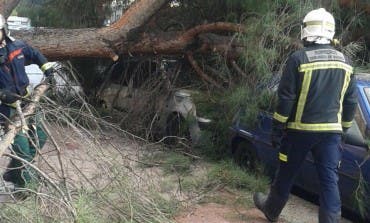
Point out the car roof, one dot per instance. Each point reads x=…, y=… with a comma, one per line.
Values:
x=17, y=18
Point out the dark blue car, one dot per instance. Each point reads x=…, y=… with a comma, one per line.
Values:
x=251, y=145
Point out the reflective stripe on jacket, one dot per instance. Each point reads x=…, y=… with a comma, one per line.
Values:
x=317, y=91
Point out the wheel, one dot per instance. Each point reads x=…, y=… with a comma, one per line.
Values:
x=176, y=128
x=245, y=156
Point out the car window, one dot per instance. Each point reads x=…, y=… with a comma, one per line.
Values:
x=367, y=93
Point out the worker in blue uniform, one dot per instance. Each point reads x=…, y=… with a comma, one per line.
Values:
x=14, y=55
x=317, y=99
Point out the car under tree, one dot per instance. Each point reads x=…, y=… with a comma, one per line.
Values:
x=250, y=145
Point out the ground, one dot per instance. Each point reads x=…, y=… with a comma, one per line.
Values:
x=296, y=211
x=83, y=165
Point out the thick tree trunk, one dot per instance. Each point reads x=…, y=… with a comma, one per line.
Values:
x=64, y=44
x=7, y=6
x=109, y=42
x=123, y=37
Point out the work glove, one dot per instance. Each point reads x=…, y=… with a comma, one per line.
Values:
x=278, y=130
x=49, y=74
x=8, y=97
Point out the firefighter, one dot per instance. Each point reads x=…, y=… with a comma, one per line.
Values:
x=317, y=99
x=14, y=54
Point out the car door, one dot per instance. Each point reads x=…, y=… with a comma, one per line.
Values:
x=267, y=154
x=350, y=173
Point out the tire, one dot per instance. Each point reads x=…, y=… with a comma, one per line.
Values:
x=245, y=156
x=176, y=128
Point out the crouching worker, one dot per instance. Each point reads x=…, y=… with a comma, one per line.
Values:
x=14, y=54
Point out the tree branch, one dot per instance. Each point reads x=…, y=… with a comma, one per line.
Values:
x=68, y=43
x=177, y=42
x=7, y=6
x=200, y=72
x=16, y=123
x=238, y=69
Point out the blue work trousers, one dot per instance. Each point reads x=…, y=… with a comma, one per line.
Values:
x=327, y=153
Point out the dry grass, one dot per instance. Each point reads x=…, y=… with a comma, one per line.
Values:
x=86, y=172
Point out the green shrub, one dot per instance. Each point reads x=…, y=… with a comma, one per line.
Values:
x=229, y=174
x=177, y=163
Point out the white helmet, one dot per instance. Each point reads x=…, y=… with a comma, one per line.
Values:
x=318, y=24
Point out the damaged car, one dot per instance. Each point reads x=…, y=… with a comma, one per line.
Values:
x=170, y=110
x=251, y=147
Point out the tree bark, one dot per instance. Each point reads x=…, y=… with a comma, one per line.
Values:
x=7, y=6
x=68, y=43
x=110, y=42
x=122, y=37
x=177, y=42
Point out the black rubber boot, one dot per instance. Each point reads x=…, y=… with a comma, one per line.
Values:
x=329, y=217
x=271, y=205
x=14, y=173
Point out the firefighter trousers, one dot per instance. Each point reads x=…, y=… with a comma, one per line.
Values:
x=326, y=151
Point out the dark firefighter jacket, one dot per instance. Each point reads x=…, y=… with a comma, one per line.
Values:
x=13, y=58
x=317, y=91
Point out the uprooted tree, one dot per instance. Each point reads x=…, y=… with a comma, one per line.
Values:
x=122, y=37
x=133, y=34
x=136, y=33
x=127, y=37
x=110, y=42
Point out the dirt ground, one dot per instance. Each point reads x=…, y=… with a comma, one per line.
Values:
x=217, y=213
x=296, y=211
